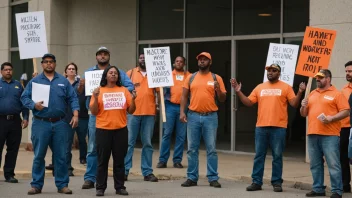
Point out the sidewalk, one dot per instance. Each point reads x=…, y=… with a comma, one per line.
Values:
x=231, y=166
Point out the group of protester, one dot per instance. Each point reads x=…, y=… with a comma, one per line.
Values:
x=191, y=107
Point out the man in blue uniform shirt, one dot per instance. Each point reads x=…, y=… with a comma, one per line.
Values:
x=103, y=61
x=49, y=126
x=10, y=120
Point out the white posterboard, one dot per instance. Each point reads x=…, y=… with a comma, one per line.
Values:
x=159, y=69
x=92, y=79
x=40, y=93
x=31, y=34
x=284, y=55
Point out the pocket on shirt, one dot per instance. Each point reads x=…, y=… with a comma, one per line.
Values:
x=61, y=91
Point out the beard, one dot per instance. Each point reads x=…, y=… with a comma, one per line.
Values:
x=142, y=65
x=203, y=68
x=103, y=62
x=349, y=78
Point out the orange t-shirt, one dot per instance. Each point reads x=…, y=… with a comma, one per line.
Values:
x=112, y=104
x=346, y=91
x=272, y=103
x=203, y=93
x=176, y=90
x=145, y=100
x=329, y=102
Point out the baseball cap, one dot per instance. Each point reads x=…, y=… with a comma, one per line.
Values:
x=206, y=54
x=49, y=56
x=102, y=49
x=274, y=66
x=323, y=73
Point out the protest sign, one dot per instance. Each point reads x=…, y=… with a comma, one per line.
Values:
x=116, y=100
x=31, y=34
x=316, y=51
x=284, y=55
x=92, y=79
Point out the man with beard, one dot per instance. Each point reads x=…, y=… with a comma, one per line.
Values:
x=49, y=126
x=345, y=134
x=205, y=89
x=142, y=121
x=10, y=120
x=272, y=97
x=325, y=107
x=172, y=109
x=103, y=61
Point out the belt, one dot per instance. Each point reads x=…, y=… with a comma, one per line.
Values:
x=49, y=119
x=202, y=113
x=8, y=117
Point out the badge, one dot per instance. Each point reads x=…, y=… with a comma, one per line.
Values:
x=211, y=83
x=179, y=77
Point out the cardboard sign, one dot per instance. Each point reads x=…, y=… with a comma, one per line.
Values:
x=31, y=34
x=159, y=70
x=115, y=100
x=93, y=79
x=316, y=51
x=284, y=55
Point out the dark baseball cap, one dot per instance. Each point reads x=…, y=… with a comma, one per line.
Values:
x=273, y=66
x=102, y=49
x=49, y=56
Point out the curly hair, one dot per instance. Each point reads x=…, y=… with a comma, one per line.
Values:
x=104, y=81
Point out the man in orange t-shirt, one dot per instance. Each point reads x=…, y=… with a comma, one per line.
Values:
x=325, y=107
x=141, y=121
x=345, y=133
x=272, y=97
x=172, y=97
x=204, y=89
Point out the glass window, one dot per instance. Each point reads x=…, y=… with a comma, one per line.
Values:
x=160, y=19
x=256, y=17
x=296, y=15
x=221, y=55
x=16, y=9
x=207, y=18
x=24, y=66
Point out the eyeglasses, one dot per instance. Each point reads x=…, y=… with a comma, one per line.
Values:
x=48, y=61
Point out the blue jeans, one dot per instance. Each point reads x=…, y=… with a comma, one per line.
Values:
x=328, y=146
x=43, y=134
x=350, y=145
x=274, y=137
x=145, y=125
x=172, y=122
x=198, y=126
x=92, y=160
x=81, y=130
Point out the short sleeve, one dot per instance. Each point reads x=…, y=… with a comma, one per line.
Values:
x=221, y=83
x=253, y=97
x=186, y=82
x=290, y=93
x=341, y=102
x=128, y=98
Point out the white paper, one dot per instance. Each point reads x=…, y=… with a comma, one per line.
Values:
x=159, y=70
x=284, y=55
x=31, y=34
x=321, y=117
x=92, y=79
x=41, y=92
x=115, y=100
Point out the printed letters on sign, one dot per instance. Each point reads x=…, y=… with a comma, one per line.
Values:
x=328, y=97
x=179, y=77
x=211, y=83
x=270, y=92
x=115, y=100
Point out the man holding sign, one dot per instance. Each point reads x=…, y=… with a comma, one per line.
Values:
x=272, y=97
x=325, y=107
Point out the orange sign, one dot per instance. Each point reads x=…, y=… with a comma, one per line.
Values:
x=315, y=51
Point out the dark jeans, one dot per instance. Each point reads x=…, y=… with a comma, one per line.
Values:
x=345, y=165
x=107, y=142
x=11, y=133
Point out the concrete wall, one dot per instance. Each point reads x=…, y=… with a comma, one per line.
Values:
x=5, y=32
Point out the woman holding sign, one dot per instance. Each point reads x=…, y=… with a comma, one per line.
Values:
x=109, y=103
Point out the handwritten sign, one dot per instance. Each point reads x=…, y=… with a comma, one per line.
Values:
x=115, y=100
x=284, y=55
x=159, y=70
x=93, y=79
x=31, y=34
x=316, y=51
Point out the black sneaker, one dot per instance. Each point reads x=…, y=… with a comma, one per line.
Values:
x=215, y=184
x=126, y=177
x=99, y=193
x=11, y=180
x=335, y=195
x=189, y=183
x=151, y=178
x=121, y=192
x=254, y=187
x=277, y=187
x=83, y=161
x=315, y=194
x=347, y=189
x=70, y=173
x=88, y=184
x=49, y=167
x=178, y=165
x=161, y=165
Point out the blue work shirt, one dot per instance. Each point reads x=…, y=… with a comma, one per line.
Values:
x=10, y=99
x=61, y=95
x=125, y=81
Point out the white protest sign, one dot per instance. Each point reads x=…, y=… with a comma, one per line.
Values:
x=159, y=70
x=284, y=55
x=31, y=34
x=116, y=100
x=92, y=79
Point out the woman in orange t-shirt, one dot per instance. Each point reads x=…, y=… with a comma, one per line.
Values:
x=110, y=103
